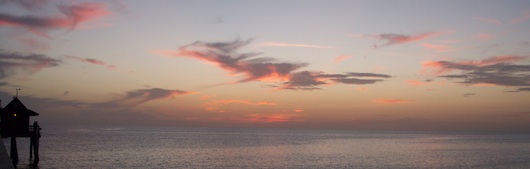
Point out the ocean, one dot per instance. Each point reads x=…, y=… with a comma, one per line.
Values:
x=135, y=147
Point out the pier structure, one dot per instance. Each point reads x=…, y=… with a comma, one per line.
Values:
x=15, y=122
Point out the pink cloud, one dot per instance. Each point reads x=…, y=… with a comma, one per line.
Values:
x=91, y=61
x=523, y=18
x=35, y=45
x=73, y=16
x=206, y=97
x=392, y=101
x=437, y=48
x=341, y=58
x=484, y=36
x=279, y=44
x=489, y=20
x=225, y=56
x=501, y=59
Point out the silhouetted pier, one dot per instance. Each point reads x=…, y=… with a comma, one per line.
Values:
x=15, y=123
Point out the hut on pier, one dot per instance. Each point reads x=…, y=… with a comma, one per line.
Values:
x=15, y=119
x=15, y=123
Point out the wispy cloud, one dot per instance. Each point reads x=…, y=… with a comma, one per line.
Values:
x=389, y=39
x=140, y=96
x=280, y=44
x=341, y=58
x=525, y=16
x=253, y=68
x=392, y=101
x=12, y=62
x=435, y=47
x=72, y=16
x=483, y=36
x=489, y=20
x=34, y=44
x=91, y=61
x=218, y=20
x=497, y=70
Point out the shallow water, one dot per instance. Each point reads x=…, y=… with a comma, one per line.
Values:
x=273, y=148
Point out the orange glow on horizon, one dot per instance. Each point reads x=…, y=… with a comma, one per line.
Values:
x=392, y=101
x=273, y=118
x=484, y=84
x=217, y=104
x=415, y=82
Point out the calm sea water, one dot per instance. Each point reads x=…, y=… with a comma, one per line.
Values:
x=273, y=148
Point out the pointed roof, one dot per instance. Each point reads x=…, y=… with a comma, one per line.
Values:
x=16, y=106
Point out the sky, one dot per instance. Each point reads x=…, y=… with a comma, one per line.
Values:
x=359, y=65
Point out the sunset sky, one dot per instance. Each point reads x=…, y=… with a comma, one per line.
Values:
x=362, y=65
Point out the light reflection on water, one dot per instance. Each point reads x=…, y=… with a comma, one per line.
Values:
x=273, y=148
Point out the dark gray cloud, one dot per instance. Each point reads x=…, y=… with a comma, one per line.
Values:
x=307, y=80
x=499, y=74
x=27, y=4
x=375, y=75
x=12, y=62
x=499, y=70
x=304, y=80
x=355, y=78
